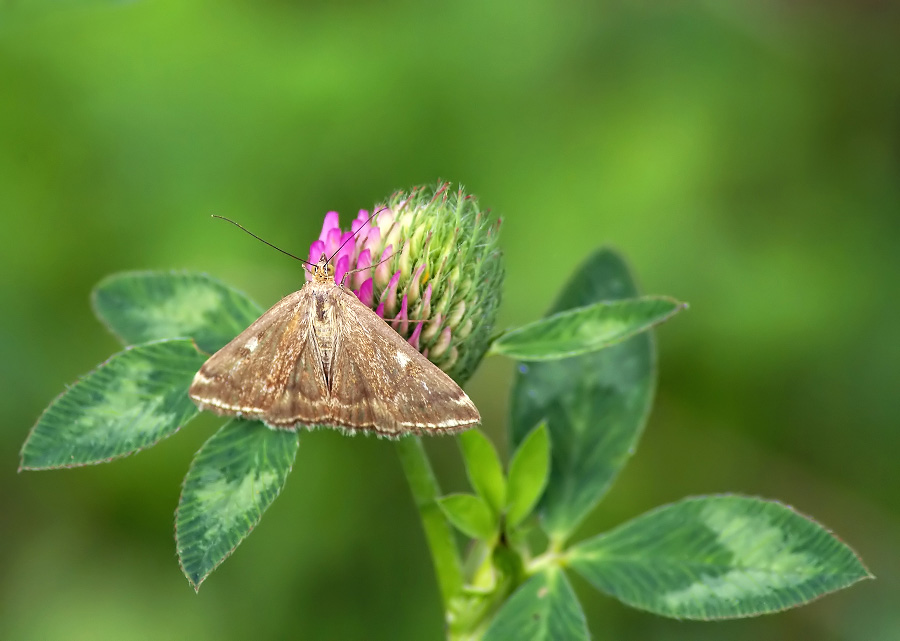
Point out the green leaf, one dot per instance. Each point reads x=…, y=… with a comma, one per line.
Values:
x=144, y=306
x=132, y=401
x=528, y=474
x=543, y=609
x=470, y=515
x=484, y=469
x=718, y=557
x=585, y=329
x=233, y=479
x=595, y=404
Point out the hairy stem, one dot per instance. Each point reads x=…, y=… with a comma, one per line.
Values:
x=425, y=491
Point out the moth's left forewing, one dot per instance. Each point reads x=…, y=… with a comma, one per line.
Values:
x=381, y=383
x=272, y=371
x=237, y=379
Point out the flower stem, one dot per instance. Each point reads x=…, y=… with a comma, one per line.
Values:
x=425, y=491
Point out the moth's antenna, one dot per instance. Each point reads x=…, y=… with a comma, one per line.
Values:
x=354, y=234
x=383, y=260
x=241, y=227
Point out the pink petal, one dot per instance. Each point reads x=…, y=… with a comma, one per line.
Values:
x=373, y=240
x=340, y=268
x=401, y=321
x=361, y=224
x=414, y=339
x=347, y=248
x=389, y=296
x=333, y=240
x=316, y=249
x=331, y=222
x=366, y=293
x=363, y=263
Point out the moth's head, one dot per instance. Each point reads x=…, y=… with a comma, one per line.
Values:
x=323, y=271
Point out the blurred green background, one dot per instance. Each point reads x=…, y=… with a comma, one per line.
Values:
x=745, y=156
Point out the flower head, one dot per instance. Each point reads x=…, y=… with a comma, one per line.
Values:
x=428, y=263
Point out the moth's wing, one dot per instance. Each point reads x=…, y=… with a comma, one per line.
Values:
x=381, y=383
x=271, y=372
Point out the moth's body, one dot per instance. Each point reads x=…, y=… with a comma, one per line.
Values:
x=323, y=323
x=321, y=357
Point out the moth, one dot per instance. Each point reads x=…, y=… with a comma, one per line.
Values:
x=320, y=357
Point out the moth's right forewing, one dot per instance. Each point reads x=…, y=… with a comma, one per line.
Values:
x=382, y=383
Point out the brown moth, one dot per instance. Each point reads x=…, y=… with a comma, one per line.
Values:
x=320, y=357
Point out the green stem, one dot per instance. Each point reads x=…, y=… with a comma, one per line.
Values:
x=425, y=491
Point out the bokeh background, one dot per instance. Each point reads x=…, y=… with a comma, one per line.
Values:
x=745, y=156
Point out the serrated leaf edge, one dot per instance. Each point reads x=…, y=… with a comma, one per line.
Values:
x=196, y=585
x=573, y=552
x=144, y=273
x=69, y=386
x=679, y=306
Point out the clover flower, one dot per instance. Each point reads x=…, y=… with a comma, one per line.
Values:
x=429, y=264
